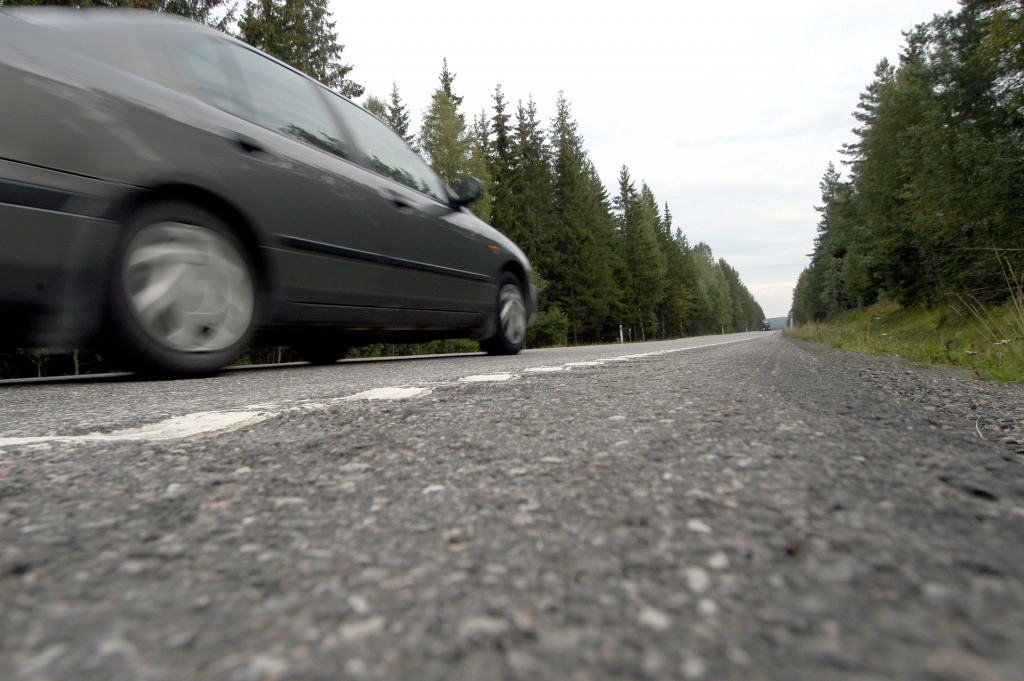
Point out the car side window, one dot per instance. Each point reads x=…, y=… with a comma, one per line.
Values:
x=251, y=86
x=388, y=153
x=203, y=65
x=283, y=100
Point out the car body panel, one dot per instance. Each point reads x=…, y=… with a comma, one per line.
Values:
x=102, y=114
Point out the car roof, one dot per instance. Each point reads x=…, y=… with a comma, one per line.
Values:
x=87, y=18
x=112, y=34
x=114, y=31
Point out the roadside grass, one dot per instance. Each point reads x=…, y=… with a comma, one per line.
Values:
x=988, y=341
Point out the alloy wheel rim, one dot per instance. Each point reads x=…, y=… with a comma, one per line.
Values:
x=188, y=287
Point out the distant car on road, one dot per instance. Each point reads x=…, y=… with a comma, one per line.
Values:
x=174, y=195
x=766, y=325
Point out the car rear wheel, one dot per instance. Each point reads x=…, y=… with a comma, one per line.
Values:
x=183, y=296
x=510, y=316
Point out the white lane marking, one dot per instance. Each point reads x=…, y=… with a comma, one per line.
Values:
x=388, y=394
x=217, y=422
x=486, y=378
x=208, y=423
x=190, y=425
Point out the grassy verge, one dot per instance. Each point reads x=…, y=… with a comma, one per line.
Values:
x=988, y=341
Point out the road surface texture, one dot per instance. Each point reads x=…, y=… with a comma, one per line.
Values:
x=766, y=509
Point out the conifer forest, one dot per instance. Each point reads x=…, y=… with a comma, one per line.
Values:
x=929, y=204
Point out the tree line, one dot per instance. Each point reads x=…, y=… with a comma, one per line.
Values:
x=933, y=202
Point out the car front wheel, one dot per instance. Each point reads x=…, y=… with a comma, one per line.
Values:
x=510, y=316
x=183, y=295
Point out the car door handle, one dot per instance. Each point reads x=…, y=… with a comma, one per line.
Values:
x=248, y=144
x=399, y=201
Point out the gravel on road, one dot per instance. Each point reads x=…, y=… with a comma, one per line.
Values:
x=767, y=510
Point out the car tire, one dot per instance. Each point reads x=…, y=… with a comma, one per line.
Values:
x=510, y=318
x=183, y=292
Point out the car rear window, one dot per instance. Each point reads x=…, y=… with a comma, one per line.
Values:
x=203, y=66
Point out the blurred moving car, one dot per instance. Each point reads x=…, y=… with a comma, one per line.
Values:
x=174, y=195
x=766, y=325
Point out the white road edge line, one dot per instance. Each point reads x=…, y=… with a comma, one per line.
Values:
x=176, y=428
x=486, y=378
x=217, y=422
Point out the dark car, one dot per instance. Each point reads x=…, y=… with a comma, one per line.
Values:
x=174, y=195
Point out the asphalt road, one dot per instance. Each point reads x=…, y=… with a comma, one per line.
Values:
x=734, y=507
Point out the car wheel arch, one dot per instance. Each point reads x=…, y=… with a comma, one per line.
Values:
x=231, y=215
x=197, y=313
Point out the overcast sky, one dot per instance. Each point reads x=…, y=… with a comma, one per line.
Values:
x=729, y=111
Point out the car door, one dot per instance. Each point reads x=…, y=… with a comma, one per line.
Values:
x=301, y=186
x=437, y=258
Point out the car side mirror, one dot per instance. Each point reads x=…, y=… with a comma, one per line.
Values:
x=469, y=191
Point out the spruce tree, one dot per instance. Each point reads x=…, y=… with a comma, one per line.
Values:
x=478, y=165
x=500, y=165
x=397, y=116
x=444, y=139
x=531, y=191
x=643, y=278
x=582, y=254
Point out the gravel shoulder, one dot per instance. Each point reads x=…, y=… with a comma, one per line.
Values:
x=767, y=510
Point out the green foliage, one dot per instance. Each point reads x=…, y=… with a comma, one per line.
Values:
x=301, y=34
x=39, y=364
x=530, y=215
x=444, y=138
x=438, y=347
x=478, y=165
x=644, y=273
x=582, y=239
x=393, y=112
x=501, y=160
x=551, y=329
x=989, y=342
x=933, y=203
x=397, y=116
x=376, y=106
